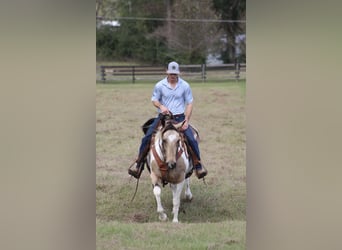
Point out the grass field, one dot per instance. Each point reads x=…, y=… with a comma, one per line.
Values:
x=215, y=218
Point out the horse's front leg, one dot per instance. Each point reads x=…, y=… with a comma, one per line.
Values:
x=157, y=191
x=176, y=193
x=188, y=194
x=160, y=209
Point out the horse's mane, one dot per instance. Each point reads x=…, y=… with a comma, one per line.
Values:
x=158, y=135
x=169, y=126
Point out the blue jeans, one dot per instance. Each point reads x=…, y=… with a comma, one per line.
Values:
x=145, y=141
x=188, y=134
x=190, y=137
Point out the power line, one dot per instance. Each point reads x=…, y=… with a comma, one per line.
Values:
x=180, y=20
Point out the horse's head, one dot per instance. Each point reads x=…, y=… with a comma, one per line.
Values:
x=171, y=139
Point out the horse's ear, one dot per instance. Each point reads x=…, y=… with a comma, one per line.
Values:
x=179, y=125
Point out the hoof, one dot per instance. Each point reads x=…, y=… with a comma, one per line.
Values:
x=188, y=197
x=175, y=221
x=162, y=217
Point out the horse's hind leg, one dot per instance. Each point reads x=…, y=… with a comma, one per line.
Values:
x=160, y=209
x=188, y=194
x=176, y=193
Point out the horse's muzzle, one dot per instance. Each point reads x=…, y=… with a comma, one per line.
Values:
x=171, y=165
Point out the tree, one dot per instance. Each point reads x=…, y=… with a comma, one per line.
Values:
x=106, y=42
x=153, y=30
x=105, y=9
x=188, y=41
x=134, y=36
x=231, y=10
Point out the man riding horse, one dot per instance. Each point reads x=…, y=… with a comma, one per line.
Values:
x=171, y=95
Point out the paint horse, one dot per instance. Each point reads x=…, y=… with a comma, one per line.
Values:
x=169, y=162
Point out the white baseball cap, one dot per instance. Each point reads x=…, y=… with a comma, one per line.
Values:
x=173, y=68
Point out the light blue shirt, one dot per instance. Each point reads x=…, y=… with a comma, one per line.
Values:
x=174, y=99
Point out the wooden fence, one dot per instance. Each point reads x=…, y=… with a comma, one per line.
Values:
x=201, y=72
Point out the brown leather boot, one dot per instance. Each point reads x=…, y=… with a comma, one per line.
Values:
x=136, y=170
x=200, y=171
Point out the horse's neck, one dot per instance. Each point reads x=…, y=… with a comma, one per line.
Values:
x=157, y=145
x=183, y=146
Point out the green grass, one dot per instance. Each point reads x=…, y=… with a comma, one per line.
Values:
x=156, y=236
x=218, y=208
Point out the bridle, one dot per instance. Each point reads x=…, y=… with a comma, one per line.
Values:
x=163, y=166
x=179, y=150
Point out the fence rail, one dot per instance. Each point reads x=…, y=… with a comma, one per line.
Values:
x=201, y=72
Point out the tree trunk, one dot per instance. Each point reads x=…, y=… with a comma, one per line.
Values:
x=98, y=6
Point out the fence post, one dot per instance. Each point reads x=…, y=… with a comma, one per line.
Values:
x=103, y=74
x=237, y=70
x=133, y=74
x=204, y=77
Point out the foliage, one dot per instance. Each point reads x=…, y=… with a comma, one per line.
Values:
x=160, y=40
x=231, y=10
x=189, y=40
x=105, y=8
x=133, y=39
x=106, y=42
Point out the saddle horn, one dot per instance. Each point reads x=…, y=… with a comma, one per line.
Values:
x=166, y=118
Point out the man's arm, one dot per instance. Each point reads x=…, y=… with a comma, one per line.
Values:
x=162, y=108
x=188, y=112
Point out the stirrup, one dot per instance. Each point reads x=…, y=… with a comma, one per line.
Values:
x=136, y=171
x=200, y=173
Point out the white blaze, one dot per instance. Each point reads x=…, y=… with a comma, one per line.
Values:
x=172, y=137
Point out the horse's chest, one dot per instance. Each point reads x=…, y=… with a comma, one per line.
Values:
x=175, y=175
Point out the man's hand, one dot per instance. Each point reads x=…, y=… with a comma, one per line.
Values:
x=185, y=125
x=164, y=110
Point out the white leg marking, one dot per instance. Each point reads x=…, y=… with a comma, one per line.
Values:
x=160, y=209
x=188, y=194
x=176, y=192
